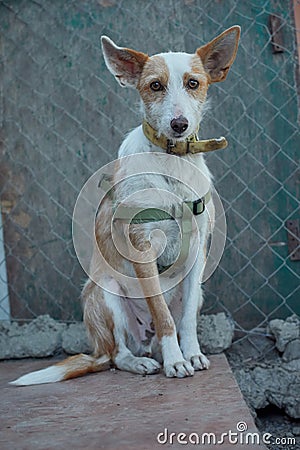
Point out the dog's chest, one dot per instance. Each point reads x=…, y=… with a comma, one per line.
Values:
x=163, y=182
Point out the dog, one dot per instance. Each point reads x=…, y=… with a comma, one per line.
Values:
x=154, y=327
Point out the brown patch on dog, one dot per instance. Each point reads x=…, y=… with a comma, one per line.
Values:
x=155, y=69
x=199, y=93
x=198, y=73
x=197, y=66
x=105, y=252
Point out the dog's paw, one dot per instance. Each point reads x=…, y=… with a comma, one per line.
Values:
x=180, y=369
x=145, y=366
x=134, y=364
x=200, y=362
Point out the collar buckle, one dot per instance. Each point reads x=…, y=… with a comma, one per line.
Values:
x=170, y=146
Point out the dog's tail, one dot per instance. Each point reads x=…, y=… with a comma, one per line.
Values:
x=72, y=367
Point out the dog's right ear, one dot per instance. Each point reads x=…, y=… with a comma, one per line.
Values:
x=125, y=64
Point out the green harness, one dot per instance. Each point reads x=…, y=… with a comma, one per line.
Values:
x=134, y=215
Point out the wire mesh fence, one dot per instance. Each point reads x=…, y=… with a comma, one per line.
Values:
x=63, y=117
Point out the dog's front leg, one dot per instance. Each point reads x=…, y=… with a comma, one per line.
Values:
x=173, y=360
x=191, y=303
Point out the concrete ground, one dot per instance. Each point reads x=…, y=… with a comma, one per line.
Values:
x=114, y=410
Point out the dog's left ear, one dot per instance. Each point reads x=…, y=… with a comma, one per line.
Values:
x=218, y=55
x=125, y=64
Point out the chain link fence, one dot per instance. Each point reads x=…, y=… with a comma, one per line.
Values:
x=63, y=117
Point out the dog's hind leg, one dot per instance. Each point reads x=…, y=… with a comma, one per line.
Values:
x=98, y=320
x=118, y=331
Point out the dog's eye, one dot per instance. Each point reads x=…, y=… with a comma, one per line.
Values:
x=193, y=84
x=156, y=86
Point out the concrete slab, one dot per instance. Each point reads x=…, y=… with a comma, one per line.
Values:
x=114, y=410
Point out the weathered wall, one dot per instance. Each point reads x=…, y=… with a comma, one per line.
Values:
x=64, y=117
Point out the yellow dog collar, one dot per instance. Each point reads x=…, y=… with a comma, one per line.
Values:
x=191, y=145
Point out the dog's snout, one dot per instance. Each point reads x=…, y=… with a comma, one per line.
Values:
x=180, y=124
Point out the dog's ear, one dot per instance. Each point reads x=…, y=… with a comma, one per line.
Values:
x=218, y=55
x=125, y=64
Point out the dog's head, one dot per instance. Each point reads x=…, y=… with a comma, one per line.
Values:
x=173, y=86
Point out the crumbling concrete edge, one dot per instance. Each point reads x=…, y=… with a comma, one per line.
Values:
x=45, y=336
x=278, y=381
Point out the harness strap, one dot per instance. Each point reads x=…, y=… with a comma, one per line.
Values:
x=138, y=215
x=186, y=230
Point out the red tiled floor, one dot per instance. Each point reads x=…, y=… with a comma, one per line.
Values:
x=118, y=410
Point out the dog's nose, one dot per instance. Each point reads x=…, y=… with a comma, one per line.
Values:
x=180, y=124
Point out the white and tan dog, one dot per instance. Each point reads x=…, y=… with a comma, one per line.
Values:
x=137, y=334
